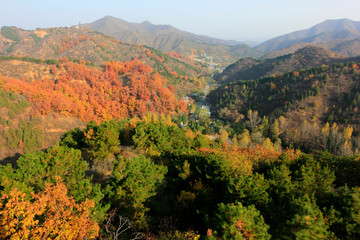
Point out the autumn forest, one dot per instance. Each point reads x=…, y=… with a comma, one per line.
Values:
x=102, y=139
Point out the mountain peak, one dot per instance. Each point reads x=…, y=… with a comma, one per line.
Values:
x=110, y=18
x=337, y=25
x=337, y=20
x=146, y=23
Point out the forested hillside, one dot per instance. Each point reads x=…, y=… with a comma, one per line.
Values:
x=151, y=180
x=77, y=93
x=105, y=140
x=306, y=101
x=69, y=76
x=87, y=45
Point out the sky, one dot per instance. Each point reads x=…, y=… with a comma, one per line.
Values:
x=250, y=20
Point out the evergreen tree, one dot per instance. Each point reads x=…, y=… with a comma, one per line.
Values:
x=234, y=221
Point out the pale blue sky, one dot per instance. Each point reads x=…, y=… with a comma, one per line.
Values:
x=227, y=19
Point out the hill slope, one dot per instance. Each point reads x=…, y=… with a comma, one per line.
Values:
x=317, y=95
x=307, y=57
x=328, y=30
x=84, y=44
x=62, y=94
x=54, y=98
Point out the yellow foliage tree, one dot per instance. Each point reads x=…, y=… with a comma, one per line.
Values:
x=235, y=141
x=268, y=145
x=326, y=129
x=51, y=214
x=166, y=119
x=282, y=124
x=242, y=159
x=224, y=136
x=244, y=139
x=348, y=133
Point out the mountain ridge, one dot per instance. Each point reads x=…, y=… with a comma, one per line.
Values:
x=84, y=44
x=327, y=30
x=304, y=58
x=167, y=38
x=148, y=27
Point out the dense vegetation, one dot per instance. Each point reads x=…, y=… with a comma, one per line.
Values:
x=311, y=107
x=91, y=94
x=135, y=179
x=17, y=131
x=274, y=159
x=41, y=99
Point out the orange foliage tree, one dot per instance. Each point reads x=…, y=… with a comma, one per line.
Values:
x=118, y=91
x=48, y=215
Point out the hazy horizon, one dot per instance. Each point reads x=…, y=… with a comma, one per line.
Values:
x=230, y=19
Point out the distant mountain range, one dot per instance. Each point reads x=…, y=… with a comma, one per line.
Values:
x=119, y=28
x=340, y=36
x=167, y=38
x=346, y=48
x=329, y=30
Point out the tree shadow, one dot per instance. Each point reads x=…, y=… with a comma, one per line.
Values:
x=11, y=159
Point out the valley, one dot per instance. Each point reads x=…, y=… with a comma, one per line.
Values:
x=122, y=130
